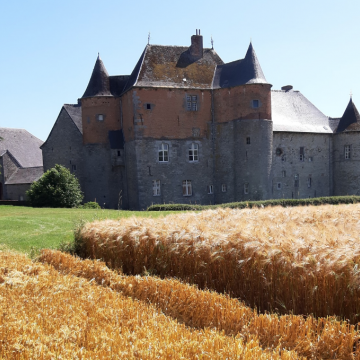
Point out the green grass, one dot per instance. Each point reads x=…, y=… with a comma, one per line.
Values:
x=25, y=229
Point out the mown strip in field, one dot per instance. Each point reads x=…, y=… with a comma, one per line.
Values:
x=303, y=260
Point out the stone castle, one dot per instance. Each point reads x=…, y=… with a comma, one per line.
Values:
x=184, y=127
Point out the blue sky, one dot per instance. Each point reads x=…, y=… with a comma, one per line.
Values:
x=48, y=48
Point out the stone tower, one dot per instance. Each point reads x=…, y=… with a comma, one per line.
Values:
x=242, y=111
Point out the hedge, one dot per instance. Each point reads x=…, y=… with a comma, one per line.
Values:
x=332, y=200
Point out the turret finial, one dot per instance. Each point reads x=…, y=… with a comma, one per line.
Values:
x=98, y=56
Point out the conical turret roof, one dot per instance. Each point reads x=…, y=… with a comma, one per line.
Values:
x=240, y=72
x=251, y=67
x=350, y=121
x=99, y=84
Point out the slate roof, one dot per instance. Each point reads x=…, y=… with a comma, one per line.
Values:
x=240, y=72
x=291, y=111
x=173, y=66
x=350, y=121
x=25, y=175
x=74, y=111
x=23, y=146
x=99, y=84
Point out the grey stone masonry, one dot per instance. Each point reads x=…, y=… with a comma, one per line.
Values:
x=243, y=160
x=347, y=167
x=170, y=172
x=301, y=165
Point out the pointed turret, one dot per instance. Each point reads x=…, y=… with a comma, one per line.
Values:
x=350, y=121
x=240, y=72
x=251, y=67
x=99, y=84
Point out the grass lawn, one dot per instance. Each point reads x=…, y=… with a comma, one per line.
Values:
x=23, y=228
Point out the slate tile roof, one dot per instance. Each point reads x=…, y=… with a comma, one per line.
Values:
x=173, y=66
x=74, y=111
x=99, y=84
x=291, y=111
x=25, y=175
x=23, y=146
x=350, y=121
x=240, y=72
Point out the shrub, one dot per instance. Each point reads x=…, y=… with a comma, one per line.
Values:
x=90, y=205
x=56, y=188
x=330, y=200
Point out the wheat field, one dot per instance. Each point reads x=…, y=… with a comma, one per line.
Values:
x=48, y=315
x=323, y=338
x=302, y=260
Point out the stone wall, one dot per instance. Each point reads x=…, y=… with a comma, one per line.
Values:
x=173, y=172
x=301, y=173
x=17, y=191
x=8, y=167
x=346, y=171
x=243, y=160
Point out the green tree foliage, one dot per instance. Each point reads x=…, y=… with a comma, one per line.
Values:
x=56, y=188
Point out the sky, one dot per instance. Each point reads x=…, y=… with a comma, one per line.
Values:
x=49, y=48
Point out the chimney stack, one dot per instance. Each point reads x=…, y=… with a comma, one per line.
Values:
x=196, y=48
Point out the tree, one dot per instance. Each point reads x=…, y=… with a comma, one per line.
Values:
x=56, y=188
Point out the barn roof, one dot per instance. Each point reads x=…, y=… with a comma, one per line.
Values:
x=23, y=146
x=25, y=175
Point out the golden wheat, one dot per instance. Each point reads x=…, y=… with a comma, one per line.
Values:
x=313, y=338
x=46, y=315
x=304, y=260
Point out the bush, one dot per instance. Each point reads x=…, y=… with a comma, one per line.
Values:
x=330, y=200
x=56, y=188
x=90, y=205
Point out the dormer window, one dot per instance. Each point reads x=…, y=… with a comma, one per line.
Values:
x=255, y=104
x=100, y=117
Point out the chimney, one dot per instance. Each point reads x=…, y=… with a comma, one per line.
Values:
x=287, y=88
x=196, y=48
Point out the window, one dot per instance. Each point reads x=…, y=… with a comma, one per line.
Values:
x=255, y=103
x=302, y=156
x=194, y=152
x=148, y=106
x=278, y=186
x=156, y=188
x=118, y=153
x=192, y=102
x=246, y=188
x=248, y=140
x=100, y=117
x=296, y=180
x=283, y=173
x=187, y=189
x=283, y=158
x=223, y=188
x=164, y=153
x=73, y=167
x=309, y=182
x=347, y=151
x=210, y=189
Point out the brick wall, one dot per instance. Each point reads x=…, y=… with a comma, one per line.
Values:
x=167, y=115
x=96, y=131
x=236, y=103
